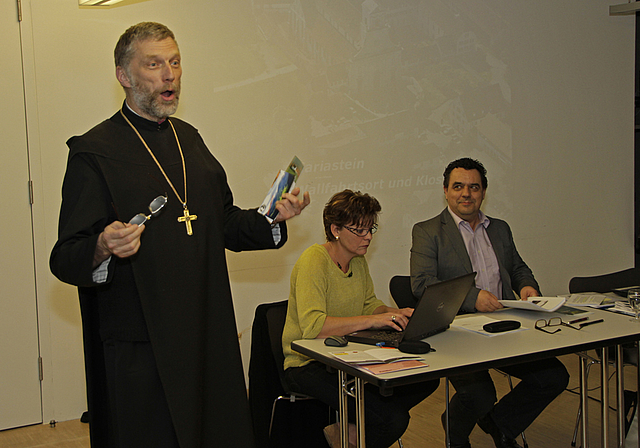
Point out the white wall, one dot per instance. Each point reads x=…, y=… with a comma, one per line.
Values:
x=544, y=99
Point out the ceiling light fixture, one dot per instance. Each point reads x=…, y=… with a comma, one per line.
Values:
x=626, y=8
x=97, y=2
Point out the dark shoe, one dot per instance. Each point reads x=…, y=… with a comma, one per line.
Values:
x=487, y=424
x=464, y=445
x=453, y=445
x=332, y=434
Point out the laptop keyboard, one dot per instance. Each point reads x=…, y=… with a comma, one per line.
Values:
x=387, y=335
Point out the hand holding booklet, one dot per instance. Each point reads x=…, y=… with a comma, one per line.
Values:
x=548, y=304
x=285, y=182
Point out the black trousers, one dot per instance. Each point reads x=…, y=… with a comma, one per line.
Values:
x=139, y=415
x=386, y=418
x=541, y=382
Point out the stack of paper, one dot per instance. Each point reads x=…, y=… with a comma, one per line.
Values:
x=380, y=360
x=476, y=323
x=623, y=307
x=547, y=304
x=593, y=300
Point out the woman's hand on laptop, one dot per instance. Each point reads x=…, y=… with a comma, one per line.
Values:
x=391, y=317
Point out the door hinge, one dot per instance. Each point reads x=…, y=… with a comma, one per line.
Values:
x=31, y=192
x=40, y=370
x=19, y=2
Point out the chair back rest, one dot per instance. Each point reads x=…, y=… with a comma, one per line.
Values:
x=400, y=288
x=606, y=282
x=276, y=316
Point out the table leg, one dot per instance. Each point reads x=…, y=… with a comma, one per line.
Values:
x=584, y=400
x=343, y=411
x=447, y=437
x=638, y=392
x=604, y=395
x=620, y=395
x=360, y=412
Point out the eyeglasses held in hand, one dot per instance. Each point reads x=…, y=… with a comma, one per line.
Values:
x=156, y=205
x=362, y=232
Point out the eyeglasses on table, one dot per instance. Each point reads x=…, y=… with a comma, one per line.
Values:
x=541, y=324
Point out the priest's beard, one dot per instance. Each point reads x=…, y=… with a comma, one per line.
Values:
x=150, y=102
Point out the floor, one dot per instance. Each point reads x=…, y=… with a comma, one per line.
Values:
x=554, y=428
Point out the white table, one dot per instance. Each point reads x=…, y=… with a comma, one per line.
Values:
x=460, y=351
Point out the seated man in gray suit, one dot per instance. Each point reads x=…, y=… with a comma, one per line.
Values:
x=460, y=240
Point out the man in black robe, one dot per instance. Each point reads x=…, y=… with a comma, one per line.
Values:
x=162, y=357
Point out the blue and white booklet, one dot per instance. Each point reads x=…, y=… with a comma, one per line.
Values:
x=284, y=182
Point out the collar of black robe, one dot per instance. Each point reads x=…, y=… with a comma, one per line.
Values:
x=142, y=123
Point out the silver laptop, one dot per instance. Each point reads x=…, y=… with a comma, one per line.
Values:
x=433, y=314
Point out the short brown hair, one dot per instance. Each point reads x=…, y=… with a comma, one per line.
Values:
x=349, y=207
x=137, y=33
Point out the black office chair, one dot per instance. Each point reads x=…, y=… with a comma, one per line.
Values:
x=606, y=283
x=267, y=326
x=400, y=289
x=267, y=388
x=276, y=317
x=276, y=314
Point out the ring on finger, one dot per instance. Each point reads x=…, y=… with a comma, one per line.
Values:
x=393, y=318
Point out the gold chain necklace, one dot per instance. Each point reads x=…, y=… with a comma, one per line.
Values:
x=186, y=218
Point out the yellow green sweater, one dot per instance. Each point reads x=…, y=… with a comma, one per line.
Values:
x=319, y=289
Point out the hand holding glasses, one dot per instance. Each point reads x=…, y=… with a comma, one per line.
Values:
x=156, y=205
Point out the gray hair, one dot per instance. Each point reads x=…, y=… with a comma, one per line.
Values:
x=137, y=33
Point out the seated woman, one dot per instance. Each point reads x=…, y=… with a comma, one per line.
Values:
x=332, y=294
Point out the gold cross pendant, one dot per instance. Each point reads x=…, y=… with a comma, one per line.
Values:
x=187, y=218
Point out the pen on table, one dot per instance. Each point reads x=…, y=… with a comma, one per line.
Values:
x=591, y=323
x=575, y=321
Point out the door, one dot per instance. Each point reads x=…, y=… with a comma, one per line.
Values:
x=20, y=397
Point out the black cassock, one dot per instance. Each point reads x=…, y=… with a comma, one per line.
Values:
x=175, y=291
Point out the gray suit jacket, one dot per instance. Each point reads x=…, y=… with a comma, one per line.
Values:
x=438, y=253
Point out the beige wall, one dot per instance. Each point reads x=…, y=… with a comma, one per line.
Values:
x=367, y=108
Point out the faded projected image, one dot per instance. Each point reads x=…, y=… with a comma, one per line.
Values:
x=375, y=95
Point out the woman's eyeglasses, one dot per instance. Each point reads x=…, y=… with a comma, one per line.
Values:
x=362, y=232
x=156, y=205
